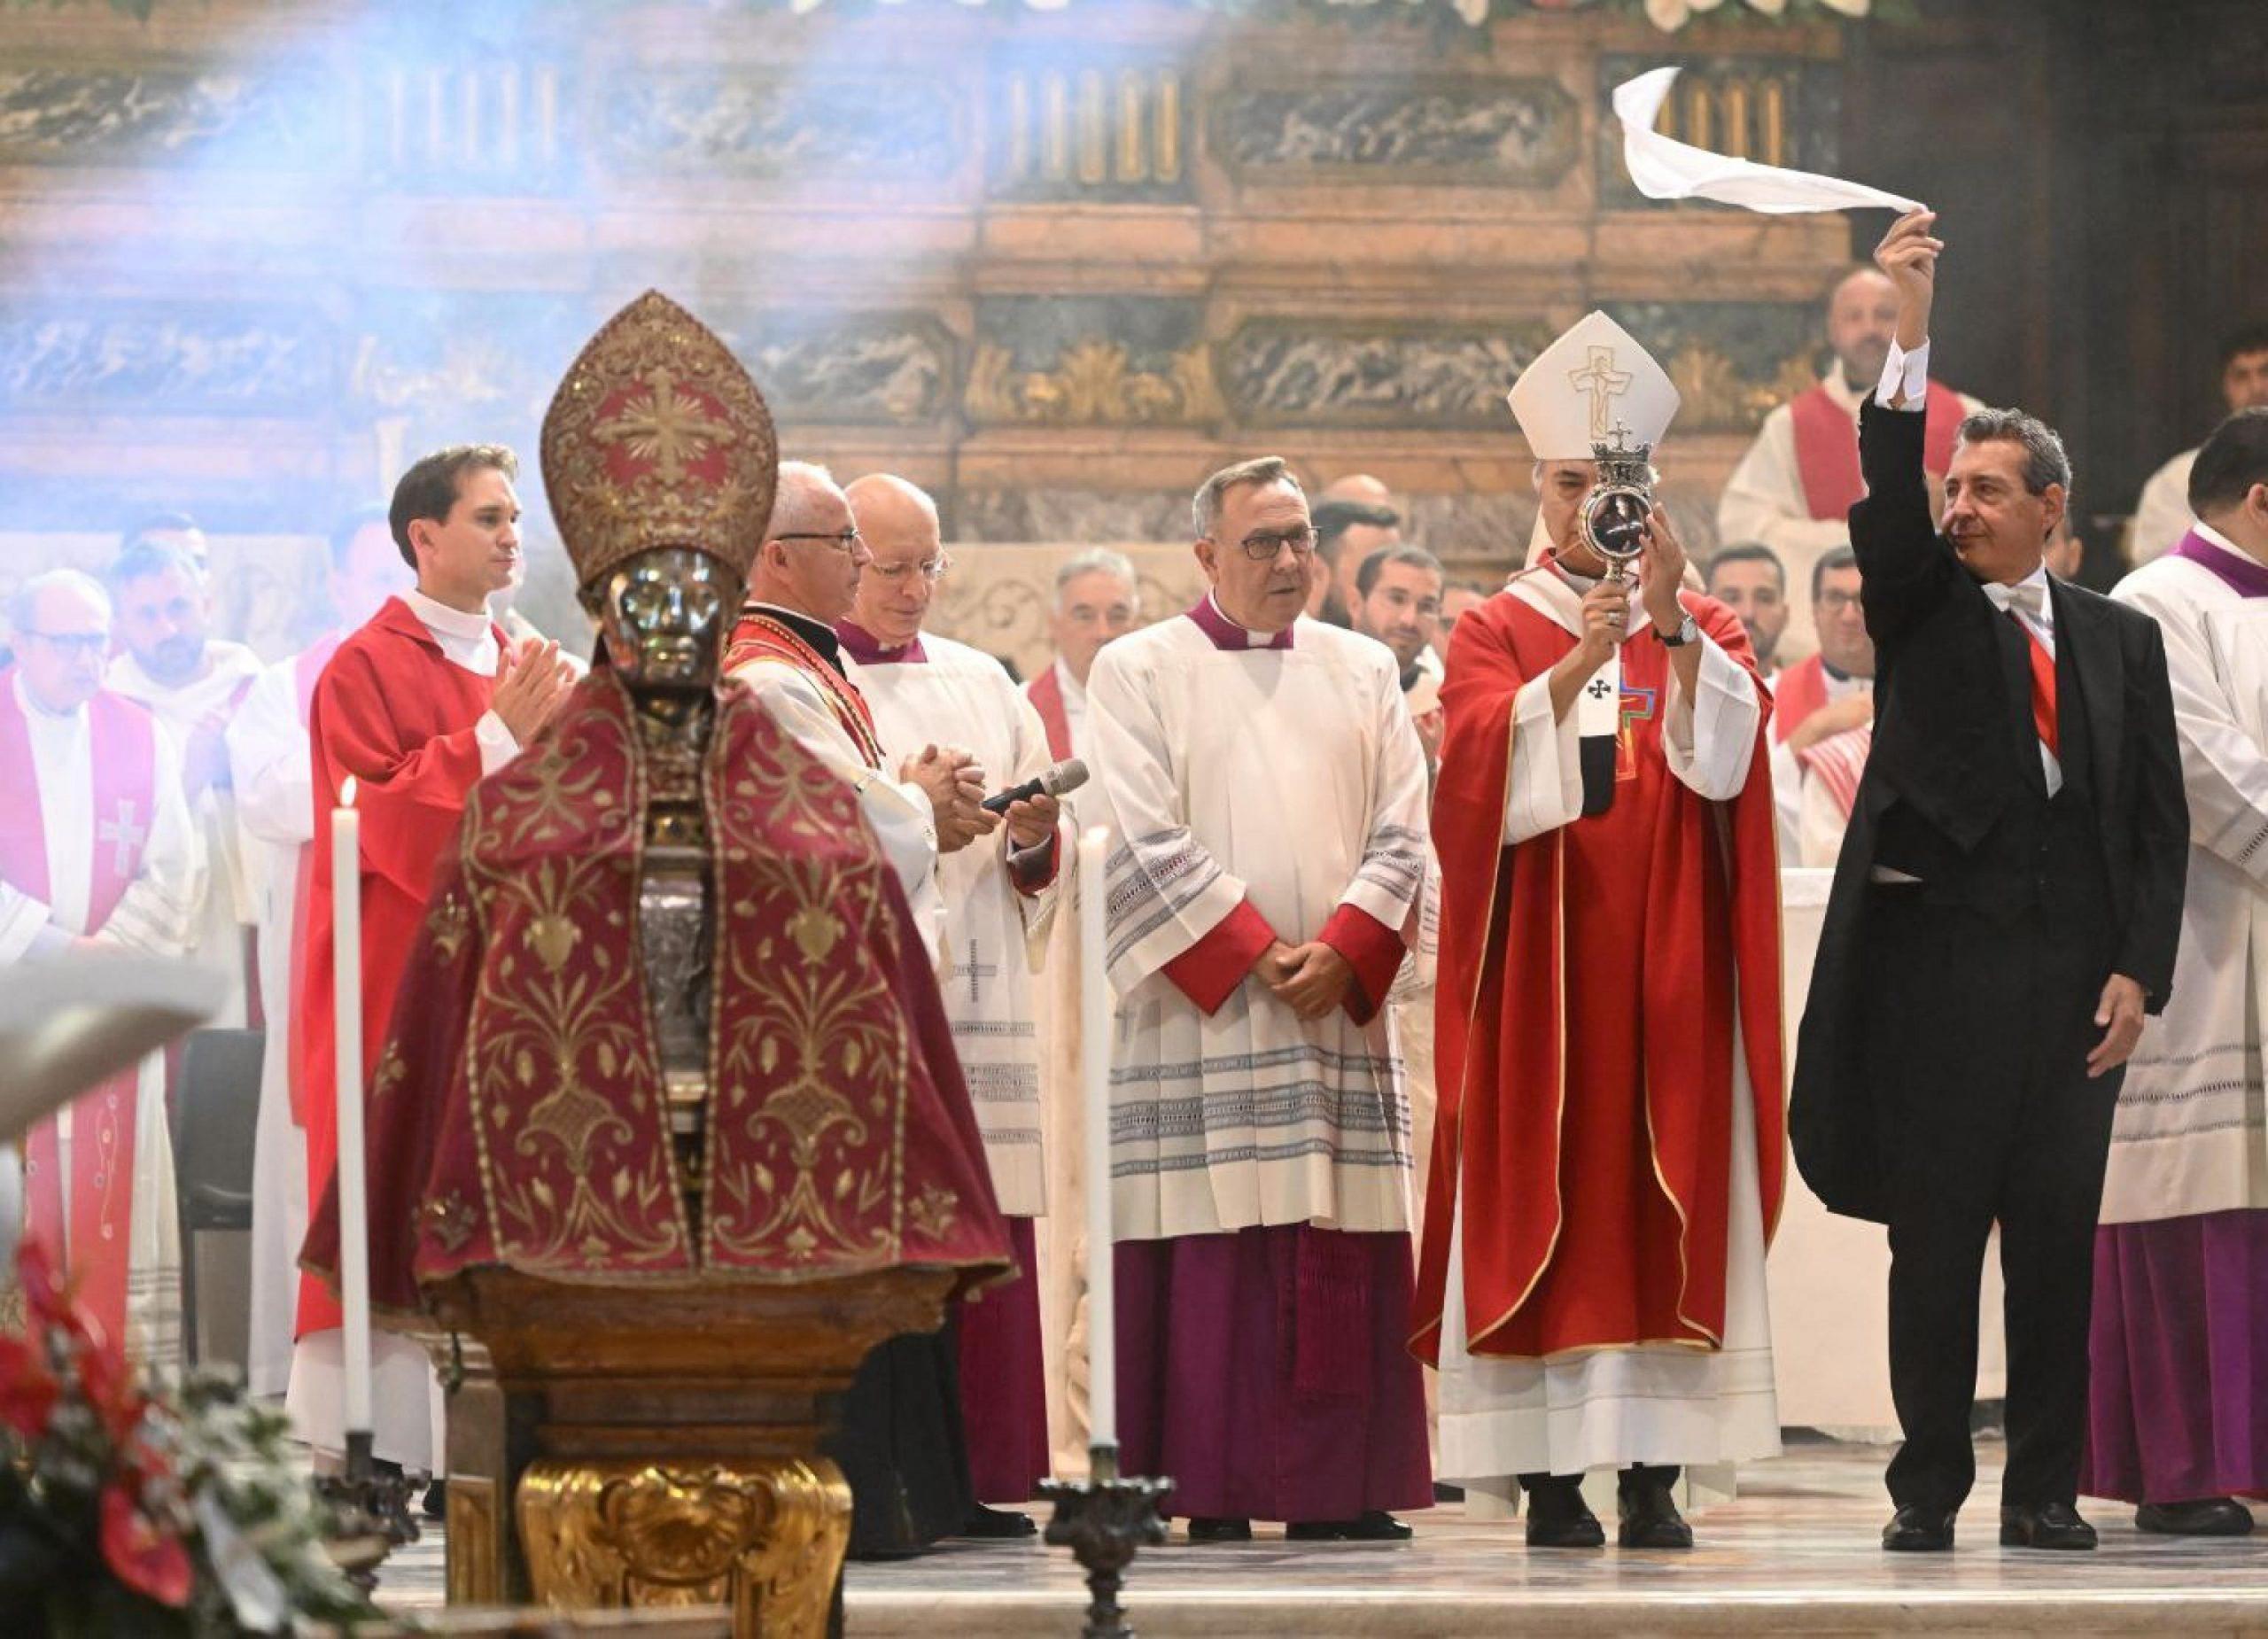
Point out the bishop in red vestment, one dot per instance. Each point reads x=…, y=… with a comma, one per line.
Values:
x=1607, y=1159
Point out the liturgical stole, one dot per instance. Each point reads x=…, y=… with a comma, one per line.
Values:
x=122, y=753
x=1827, y=446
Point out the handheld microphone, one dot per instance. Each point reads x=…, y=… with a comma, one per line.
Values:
x=1067, y=775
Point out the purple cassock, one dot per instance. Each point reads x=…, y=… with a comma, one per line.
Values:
x=1003, y=1386
x=2177, y=1399
x=1264, y=1372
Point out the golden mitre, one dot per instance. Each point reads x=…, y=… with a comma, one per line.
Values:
x=658, y=438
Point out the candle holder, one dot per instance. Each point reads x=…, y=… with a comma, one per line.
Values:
x=369, y=1513
x=1103, y=1520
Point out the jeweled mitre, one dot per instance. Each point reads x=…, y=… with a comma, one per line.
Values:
x=658, y=437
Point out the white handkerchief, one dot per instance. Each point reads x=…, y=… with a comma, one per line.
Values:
x=1664, y=168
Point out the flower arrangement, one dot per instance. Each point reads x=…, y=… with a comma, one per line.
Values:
x=128, y=1509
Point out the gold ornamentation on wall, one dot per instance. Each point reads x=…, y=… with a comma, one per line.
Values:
x=1714, y=393
x=1093, y=384
x=1743, y=113
x=764, y=1536
x=1098, y=129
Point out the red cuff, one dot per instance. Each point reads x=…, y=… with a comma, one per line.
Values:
x=1375, y=952
x=1209, y=971
x=1031, y=869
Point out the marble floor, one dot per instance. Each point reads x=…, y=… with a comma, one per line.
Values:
x=1796, y=1553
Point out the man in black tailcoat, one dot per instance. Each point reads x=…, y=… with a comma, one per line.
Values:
x=2005, y=912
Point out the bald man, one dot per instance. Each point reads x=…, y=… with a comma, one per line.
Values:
x=785, y=649
x=1794, y=488
x=999, y=896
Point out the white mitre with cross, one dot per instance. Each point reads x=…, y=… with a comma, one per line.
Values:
x=1592, y=384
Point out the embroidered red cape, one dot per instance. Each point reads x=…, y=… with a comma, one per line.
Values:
x=392, y=711
x=1826, y=445
x=1625, y=928
x=517, y=1114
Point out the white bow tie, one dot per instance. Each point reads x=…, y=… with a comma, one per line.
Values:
x=2028, y=599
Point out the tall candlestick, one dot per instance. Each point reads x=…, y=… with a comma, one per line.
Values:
x=346, y=1002
x=1094, y=1080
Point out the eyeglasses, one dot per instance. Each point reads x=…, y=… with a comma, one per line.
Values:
x=846, y=540
x=1263, y=546
x=74, y=642
x=931, y=570
x=1835, y=602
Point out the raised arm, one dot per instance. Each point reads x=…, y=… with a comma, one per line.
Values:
x=1906, y=568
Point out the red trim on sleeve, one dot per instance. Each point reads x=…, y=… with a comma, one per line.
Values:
x=1373, y=950
x=1209, y=971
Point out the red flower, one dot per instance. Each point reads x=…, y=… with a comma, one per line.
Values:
x=27, y=1390
x=143, y=1557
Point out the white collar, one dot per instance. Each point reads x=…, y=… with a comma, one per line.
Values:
x=2207, y=533
x=444, y=621
x=1252, y=638
x=2003, y=595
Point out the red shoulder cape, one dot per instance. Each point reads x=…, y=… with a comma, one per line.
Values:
x=1506, y=1010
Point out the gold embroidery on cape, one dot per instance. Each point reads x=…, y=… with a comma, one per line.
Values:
x=541, y=1018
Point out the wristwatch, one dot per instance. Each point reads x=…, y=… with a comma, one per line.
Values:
x=1687, y=631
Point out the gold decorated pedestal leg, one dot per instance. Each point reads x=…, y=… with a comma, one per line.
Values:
x=765, y=1536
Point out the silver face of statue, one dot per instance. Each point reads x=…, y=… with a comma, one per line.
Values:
x=664, y=615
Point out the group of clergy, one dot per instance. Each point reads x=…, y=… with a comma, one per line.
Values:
x=1447, y=1013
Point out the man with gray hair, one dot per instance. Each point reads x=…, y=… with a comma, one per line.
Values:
x=2006, y=911
x=1096, y=601
x=97, y=847
x=785, y=648
x=1269, y=796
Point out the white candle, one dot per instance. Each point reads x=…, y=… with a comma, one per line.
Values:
x=346, y=1003
x=1094, y=1080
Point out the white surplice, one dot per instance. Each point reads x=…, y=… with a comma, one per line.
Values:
x=1702, y=1409
x=228, y=906
x=270, y=767
x=897, y=811
x=1293, y=776
x=994, y=934
x=156, y=916
x=2191, y=1134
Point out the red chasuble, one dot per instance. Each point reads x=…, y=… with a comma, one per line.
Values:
x=396, y=715
x=517, y=1115
x=122, y=754
x=1585, y=1024
x=1826, y=445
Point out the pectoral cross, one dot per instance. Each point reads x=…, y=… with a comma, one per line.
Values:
x=977, y=971
x=1603, y=382
x=125, y=836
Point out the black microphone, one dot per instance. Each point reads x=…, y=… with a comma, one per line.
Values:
x=1067, y=775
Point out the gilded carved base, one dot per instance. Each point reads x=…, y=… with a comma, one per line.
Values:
x=766, y=1537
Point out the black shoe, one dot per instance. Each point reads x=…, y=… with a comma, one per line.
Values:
x=2051, y=1524
x=1650, y=1519
x=1206, y=1528
x=436, y=1499
x=2208, y=1516
x=1374, y=1524
x=1558, y=1517
x=994, y=1523
x=1914, y=1529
